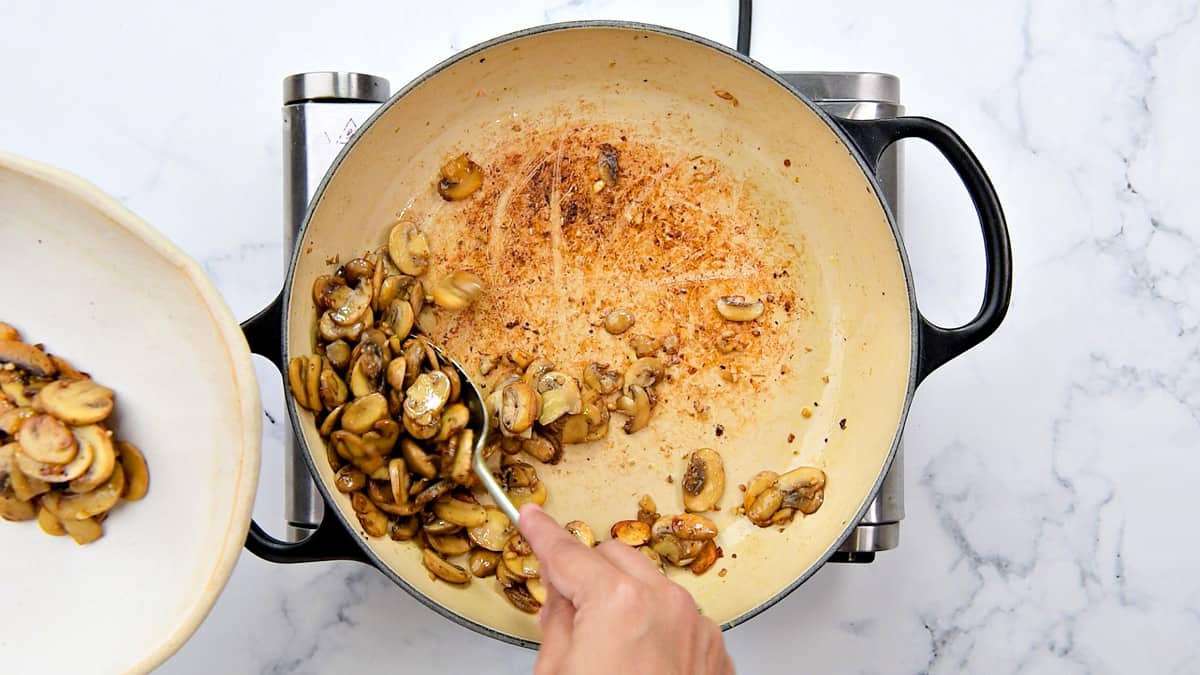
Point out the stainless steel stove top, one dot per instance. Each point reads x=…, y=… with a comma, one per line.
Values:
x=322, y=111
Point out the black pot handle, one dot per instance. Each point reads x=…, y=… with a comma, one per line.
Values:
x=938, y=345
x=331, y=540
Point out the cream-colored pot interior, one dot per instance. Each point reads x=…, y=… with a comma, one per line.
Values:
x=728, y=184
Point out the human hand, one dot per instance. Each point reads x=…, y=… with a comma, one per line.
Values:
x=610, y=610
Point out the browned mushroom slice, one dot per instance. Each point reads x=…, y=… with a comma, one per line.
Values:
x=351, y=304
x=83, y=531
x=27, y=357
x=449, y=545
x=638, y=410
x=409, y=250
x=361, y=414
x=50, y=523
x=432, y=492
x=599, y=377
x=76, y=402
x=536, y=494
x=632, y=532
x=460, y=512
x=404, y=528
x=706, y=558
x=96, y=502
x=373, y=521
x=520, y=598
x=45, y=439
x=7, y=332
x=460, y=467
x=543, y=447
x=703, y=481
x=15, y=509
x=444, y=569
x=518, y=407
x=757, y=484
x=91, y=439
x=764, y=506
x=803, y=489
x=582, y=531
x=454, y=419
x=24, y=487
x=431, y=524
x=647, y=510
x=12, y=419
x=483, y=563
x=417, y=459
x=537, y=590
x=618, y=321
x=506, y=578
x=461, y=177
x=457, y=291
x=559, y=396
x=104, y=462
x=494, y=532
x=738, y=308
x=679, y=552
x=349, y=479
x=518, y=557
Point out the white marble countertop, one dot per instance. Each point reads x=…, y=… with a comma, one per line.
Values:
x=1046, y=470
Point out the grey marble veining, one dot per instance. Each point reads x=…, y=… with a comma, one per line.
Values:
x=1050, y=471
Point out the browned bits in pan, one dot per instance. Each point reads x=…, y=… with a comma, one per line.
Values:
x=59, y=462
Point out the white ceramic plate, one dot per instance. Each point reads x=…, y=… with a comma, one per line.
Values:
x=97, y=285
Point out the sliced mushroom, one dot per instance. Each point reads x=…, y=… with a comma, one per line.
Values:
x=457, y=291
x=459, y=512
x=647, y=510
x=783, y=516
x=27, y=357
x=350, y=479
x=518, y=557
x=494, y=532
x=520, y=598
x=390, y=289
x=803, y=489
x=610, y=170
x=738, y=308
x=338, y=353
x=602, y=379
x=703, y=481
x=460, y=467
x=764, y=506
x=50, y=523
x=358, y=269
x=454, y=419
x=7, y=332
x=434, y=525
x=351, y=304
x=483, y=563
x=76, y=402
x=644, y=372
x=12, y=419
x=518, y=407
x=104, y=464
x=677, y=551
x=597, y=418
x=693, y=527
x=428, y=394
x=449, y=545
x=537, y=590
x=409, y=250
x=632, y=532
x=618, y=321
x=373, y=521
x=543, y=447
x=461, y=177
x=323, y=289
x=559, y=396
x=536, y=494
x=574, y=428
x=582, y=531
x=331, y=389
x=444, y=569
x=520, y=358
x=330, y=330
x=24, y=487
x=137, y=474
x=417, y=460
x=355, y=450
x=15, y=509
x=300, y=370
x=44, y=439
x=706, y=558
x=362, y=413
x=83, y=531
x=92, y=440
x=432, y=492
x=404, y=528
x=639, y=415
x=756, y=485
x=96, y=502
x=331, y=421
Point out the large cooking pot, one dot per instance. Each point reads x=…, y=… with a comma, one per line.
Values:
x=730, y=182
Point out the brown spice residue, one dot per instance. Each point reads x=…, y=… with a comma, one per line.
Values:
x=791, y=438
x=722, y=94
x=842, y=423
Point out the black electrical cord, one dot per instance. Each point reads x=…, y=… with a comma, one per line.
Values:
x=745, y=9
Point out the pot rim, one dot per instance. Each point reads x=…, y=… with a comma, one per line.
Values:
x=837, y=130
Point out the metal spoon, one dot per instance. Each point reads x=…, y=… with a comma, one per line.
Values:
x=480, y=425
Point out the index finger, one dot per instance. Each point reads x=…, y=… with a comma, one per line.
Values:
x=570, y=566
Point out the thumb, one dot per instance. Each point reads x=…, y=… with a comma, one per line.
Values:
x=568, y=565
